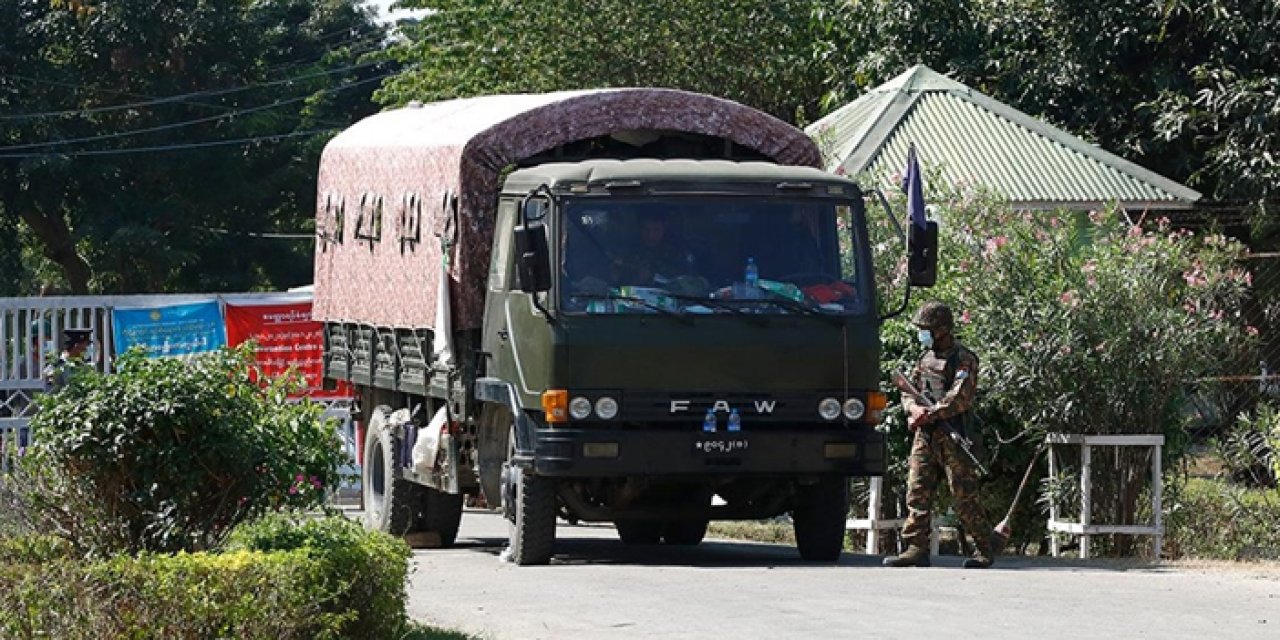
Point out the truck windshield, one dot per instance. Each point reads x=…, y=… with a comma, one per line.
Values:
x=709, y=256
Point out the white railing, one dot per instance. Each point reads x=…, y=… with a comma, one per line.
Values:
x=30, y=332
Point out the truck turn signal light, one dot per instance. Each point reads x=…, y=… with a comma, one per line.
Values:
x=556, y=405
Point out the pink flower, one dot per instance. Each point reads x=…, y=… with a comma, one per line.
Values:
x=1069, y=298
x=964, y=317
x=293, y=490
x=1251, y=330
x=1162, y=222
x=1089, y=266
x=1135, y=231
x=299, y=478
x=994, y=244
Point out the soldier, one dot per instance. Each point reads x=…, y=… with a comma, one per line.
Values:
x=947, y=373
x=74, y=344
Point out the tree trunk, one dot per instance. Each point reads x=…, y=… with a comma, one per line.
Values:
x=60, y=247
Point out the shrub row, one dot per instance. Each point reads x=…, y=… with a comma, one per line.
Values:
x=1213, y=519
x=324, y=578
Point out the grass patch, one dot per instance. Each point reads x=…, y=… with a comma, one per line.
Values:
x=754, y=531
x=419, y=631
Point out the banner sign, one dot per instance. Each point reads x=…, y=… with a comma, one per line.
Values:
x=286, y=337
x=167, y=331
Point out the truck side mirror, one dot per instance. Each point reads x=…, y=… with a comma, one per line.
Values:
x=533, y=262
x=922, y=254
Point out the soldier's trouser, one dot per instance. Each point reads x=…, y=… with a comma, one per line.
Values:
x=934, y=453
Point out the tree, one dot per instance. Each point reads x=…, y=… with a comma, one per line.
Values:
x=1184, y=88
x=753, y=51
x=87, y=83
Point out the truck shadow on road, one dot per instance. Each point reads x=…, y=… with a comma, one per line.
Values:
x=718, y=553
x=572, y=550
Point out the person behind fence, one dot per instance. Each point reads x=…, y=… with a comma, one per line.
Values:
x=75, y=344
x=947, y=374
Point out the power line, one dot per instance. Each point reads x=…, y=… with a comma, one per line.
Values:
x=181, y=97
x=166, y=148
x=187, y=123
x=254, y=234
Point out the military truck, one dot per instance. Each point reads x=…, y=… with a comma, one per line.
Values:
x=638, y=306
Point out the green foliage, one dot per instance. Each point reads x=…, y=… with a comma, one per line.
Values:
x=1251, y=449
x=1090, y=324
x=754, y=51
x=360, y=569
x=1211, y=518
x=166, y=455
x=173, y=220
x=317, y=579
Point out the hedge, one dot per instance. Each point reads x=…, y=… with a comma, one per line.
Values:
x=322, y=578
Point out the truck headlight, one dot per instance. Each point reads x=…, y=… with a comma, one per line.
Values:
x=607, y=408
x=854, y=409
x=829, y=408
x=580, y=408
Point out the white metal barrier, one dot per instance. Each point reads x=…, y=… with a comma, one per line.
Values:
x=1086, y=528
x=30, y=337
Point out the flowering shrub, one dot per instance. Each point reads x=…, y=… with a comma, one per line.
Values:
x=1084, y=323
x=166, y=455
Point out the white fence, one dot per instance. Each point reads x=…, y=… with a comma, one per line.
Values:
x=30, y=336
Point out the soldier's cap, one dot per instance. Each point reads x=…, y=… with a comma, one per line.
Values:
x=73, y=337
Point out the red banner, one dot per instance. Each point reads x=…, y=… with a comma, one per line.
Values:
x=287, y=337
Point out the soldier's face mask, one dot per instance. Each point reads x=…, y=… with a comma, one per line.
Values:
x=926, y=338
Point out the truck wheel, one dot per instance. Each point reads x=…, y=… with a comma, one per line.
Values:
x=529, y=505
x=390, y=502
x=441, y=514
x=639, y=531
x=684, y=533
x=819, y=518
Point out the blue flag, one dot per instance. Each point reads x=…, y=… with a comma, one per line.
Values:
x=913, y=185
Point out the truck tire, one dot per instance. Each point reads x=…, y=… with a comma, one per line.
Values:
x=530, y=508
x=391, y=503
x=639, y=531
x=441, y=513
x=684, y=533
x=819, y=517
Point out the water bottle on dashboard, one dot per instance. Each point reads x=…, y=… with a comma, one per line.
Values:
x=752, y=275
x=709, y=422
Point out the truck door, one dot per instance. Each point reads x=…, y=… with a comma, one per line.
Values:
x=496, y=341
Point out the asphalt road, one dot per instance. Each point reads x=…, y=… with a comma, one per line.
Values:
x=598, y=588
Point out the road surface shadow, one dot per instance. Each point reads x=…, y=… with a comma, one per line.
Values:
x=571, y=550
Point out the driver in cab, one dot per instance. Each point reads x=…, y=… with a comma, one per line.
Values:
x=655, y=259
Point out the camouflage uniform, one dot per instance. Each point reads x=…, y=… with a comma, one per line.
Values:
x=933, y=452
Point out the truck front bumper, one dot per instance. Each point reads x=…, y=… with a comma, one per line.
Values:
x=590, y=452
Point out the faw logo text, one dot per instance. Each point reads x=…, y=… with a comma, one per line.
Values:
x=762, y=406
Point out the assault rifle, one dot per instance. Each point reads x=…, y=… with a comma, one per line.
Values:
x=904, y=385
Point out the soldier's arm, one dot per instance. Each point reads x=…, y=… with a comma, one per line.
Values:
x=959, y=397
x=910, y=404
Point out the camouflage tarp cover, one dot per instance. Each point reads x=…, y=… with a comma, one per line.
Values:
x=407, y=161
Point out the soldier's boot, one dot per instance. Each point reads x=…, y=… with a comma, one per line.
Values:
x=914, y=556
x=985, y=555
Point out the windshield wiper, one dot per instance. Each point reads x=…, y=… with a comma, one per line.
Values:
x=783, y=302
x=642, y=302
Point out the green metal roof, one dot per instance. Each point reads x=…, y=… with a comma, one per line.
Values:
x=970, y=138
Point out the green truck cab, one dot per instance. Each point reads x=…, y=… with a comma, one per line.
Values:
x=661, y=333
